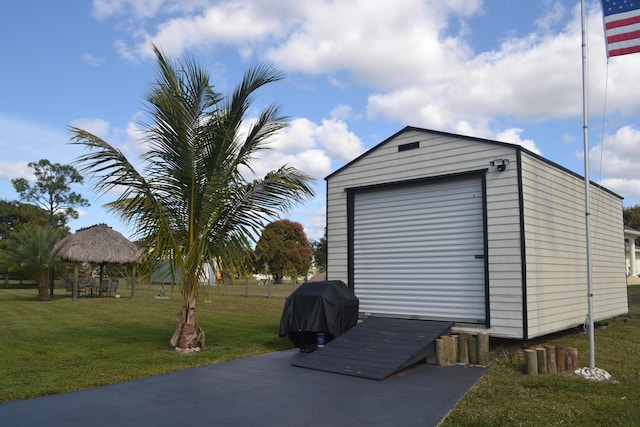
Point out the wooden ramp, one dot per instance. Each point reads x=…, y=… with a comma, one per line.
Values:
x=377, y=348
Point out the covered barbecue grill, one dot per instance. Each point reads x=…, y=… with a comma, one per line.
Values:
x=328, y=307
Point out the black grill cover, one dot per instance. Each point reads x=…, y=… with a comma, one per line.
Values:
x=329, y=307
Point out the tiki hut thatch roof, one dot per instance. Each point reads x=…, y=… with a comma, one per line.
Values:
x=98, y=244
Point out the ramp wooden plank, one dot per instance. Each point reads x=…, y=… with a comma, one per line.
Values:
x=377, y=348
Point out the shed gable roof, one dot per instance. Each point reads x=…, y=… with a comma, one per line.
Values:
x=517, y=148
x=427, y=131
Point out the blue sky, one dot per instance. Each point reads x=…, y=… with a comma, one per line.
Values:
x=357, y=72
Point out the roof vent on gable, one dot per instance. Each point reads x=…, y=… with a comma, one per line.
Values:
x=409, y=146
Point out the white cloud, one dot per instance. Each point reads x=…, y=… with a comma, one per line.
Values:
x=82, y=213
x=406, y=57
x=553, y=16
x=479, y=129
x=92, y=60
x=482, y=130
x=423, y=76
x=342, y=112
x=227, y=23
x=418, y=72
x=617, y=156
x=313, y=162
x=130, y=140
x=313, y=220
x=23, y=141
x=129, y=53
x=615, y=163
x=134, y=139
x=141, y=9
x=568, y=138
x=381, y=44
x=623, y=95
x=103, y=9
x=135, y=134
x=530, y=79
x=98, y=127
x=298, y=136
x=338, y=141
x=513, y=136
x=310, y=147
x=10, y=171
x=629, y=188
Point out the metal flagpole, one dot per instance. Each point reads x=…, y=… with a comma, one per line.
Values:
x=587, y=207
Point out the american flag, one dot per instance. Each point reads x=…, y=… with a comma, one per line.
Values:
x=621, y=26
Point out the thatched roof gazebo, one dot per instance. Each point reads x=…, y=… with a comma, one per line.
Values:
x=98, y=244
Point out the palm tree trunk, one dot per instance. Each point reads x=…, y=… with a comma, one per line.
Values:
x=188, y=335
x=43, y=288
x=52, y=284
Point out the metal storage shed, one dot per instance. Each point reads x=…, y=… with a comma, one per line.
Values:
x=489, y=235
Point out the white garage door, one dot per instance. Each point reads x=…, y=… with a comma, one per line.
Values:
x=419, y=251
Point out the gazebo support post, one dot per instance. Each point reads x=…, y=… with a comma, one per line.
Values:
x=75, y=281
x=100, y=280
x=133, y=280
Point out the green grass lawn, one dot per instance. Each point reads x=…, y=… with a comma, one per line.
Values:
x=56, y=346
x=505, y=396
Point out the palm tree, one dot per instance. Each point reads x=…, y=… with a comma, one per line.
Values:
x=30, y=252
x=191, y=199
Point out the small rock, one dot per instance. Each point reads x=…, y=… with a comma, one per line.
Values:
x=595, y=374
x=187, y=350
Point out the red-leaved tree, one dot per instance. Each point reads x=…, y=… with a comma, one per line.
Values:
x=283, y=249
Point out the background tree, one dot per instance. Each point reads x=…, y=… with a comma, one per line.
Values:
x=320, y=253
x=14, y=213
x=52, y=190
x=284, y=249
x=243, y=268
x=631, y=217
x=31, y=254
x=191, y=199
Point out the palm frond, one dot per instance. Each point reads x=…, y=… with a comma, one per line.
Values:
x=190, y=199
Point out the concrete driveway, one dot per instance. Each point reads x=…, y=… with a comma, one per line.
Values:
x=259, y=391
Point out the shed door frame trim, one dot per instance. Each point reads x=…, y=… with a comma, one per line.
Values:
x=351, y=191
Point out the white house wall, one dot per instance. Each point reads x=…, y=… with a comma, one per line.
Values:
x=440, y=155
x=555, y=236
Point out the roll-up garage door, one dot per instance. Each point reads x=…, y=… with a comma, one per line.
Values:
x=419, y=250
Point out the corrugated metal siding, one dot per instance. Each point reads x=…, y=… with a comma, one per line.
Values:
x=556, y=264
x=416, y=248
